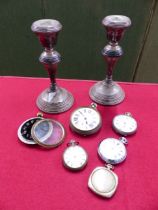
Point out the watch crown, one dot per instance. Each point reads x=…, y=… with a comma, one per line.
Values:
x=128, y=114
x=72, y=143
x=123, y=140
x=39, y=114
x=94, y=105
x=109, y=166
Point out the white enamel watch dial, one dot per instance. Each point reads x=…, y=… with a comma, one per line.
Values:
x=103, y=181
x=75, y=157
x=86, y=120
x=124, y=124
x=112, y=150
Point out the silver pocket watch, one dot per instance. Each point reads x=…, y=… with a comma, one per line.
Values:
x=24, y=130
x=124, y=124
x=75, y=157
x=113, y=151
x=86, y=120
x=47, y=133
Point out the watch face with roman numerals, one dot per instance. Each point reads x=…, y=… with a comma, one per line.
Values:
x=85, y=120
x=112, y=151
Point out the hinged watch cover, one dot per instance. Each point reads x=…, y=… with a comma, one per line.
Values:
x=47, y=133
x=103, y=181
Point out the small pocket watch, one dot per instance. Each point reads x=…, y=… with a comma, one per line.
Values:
x=103, y=181
x=47, y=133
x=75, y=157
x=86, y=120
x=124, y=124
x=113, y=151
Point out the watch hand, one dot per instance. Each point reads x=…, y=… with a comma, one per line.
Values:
x=86, y=120
x=81, y=113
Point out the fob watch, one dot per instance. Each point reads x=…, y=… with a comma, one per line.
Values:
x=24, y=131
x=86, y=120
x=124, y=124
x=47, y=133
x=75, y=157
x=113, y=150
x=103, y=181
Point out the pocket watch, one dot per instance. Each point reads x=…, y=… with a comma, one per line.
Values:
x=103, y=181
x=86, y=120
x=113, y=150
x=75, y=157
x=44, y=132
x=24, y=131
x=124, y=124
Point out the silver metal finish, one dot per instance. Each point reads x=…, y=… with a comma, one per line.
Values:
x=124, y=124
x=103, y=181
x=75, y=157
x=54, y=99
x=86, y=120
x=112, y=150
x=108, y=92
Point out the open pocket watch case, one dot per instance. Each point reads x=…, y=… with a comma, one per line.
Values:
x=47, y=133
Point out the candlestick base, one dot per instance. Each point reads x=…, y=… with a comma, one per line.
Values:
x=55, y=102
x=107, y=93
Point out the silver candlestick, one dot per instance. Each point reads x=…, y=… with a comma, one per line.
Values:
x=108, y=92
x=54, y=99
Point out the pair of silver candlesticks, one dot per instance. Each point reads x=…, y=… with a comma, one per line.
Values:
x=107, y=92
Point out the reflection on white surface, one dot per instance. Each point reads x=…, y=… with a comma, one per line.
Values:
x=44, y=130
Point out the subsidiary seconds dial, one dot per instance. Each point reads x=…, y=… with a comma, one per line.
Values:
x=86, y=120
